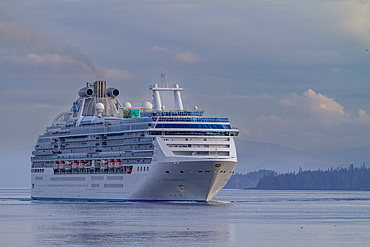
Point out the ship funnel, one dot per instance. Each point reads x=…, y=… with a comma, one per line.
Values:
x=100, y=87
x=85, y=92
x=112, y=92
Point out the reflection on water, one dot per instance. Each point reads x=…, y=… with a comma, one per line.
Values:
x=119, y=233
x=235, y=218
x=107, y=224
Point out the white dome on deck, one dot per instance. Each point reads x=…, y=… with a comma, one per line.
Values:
x=127, y=105
x=147, y=106
x=99, y=108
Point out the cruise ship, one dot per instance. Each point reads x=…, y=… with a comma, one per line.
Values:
x=102, y=150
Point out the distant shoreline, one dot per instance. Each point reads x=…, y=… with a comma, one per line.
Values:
x=349, y=179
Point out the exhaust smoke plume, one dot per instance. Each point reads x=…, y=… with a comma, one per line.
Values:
x=31, y=43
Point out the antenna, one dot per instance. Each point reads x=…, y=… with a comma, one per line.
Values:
x=164, y=81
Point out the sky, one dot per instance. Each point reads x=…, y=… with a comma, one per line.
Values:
x=293, y=73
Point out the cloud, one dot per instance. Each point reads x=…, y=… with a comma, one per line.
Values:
x=187, y=57
x=363, y=117
x=362, y=113
x=159, y=49
x=117, y=74
x=315, y=105
x=31, y=41
x=14, y=36
x=35, y=98
x=321, y=103
x=61, y=64
x=355, y=17
x=55, y=63
x=310, y=119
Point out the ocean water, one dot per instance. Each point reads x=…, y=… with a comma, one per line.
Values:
x=234, y=218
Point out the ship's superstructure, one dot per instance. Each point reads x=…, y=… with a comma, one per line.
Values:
x=104, y=150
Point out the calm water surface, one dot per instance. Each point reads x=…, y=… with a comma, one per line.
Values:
x=234, y=218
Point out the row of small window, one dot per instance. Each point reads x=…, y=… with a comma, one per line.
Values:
x=194, y=126
x=176, y=113
x=107, y=185
x=183, y=171
x=37, y=170
x=142, y=169
x=190, y=119
x=196, y=145
x=202, y=171
x=196, y=133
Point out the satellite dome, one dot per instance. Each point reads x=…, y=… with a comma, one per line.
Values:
x=147, y=106
x=127, y=105
x=99, y=108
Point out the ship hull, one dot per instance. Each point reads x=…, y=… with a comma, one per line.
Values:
x=169, y=181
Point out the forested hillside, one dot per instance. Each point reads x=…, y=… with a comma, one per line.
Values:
x=352, y=178
x=246, y=181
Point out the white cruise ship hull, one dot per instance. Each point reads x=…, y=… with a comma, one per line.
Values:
x=179, y=181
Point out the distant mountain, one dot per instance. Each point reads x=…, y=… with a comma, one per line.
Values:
x=253, y=156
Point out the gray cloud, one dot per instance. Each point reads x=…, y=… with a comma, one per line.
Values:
x=305, y=120
x=252, y=61
x=26, y=40
x=187, y=57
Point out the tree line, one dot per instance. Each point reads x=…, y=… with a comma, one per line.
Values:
x=247, y=181
x=351, y=178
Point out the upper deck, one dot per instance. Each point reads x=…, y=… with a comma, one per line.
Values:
x=98, y=110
